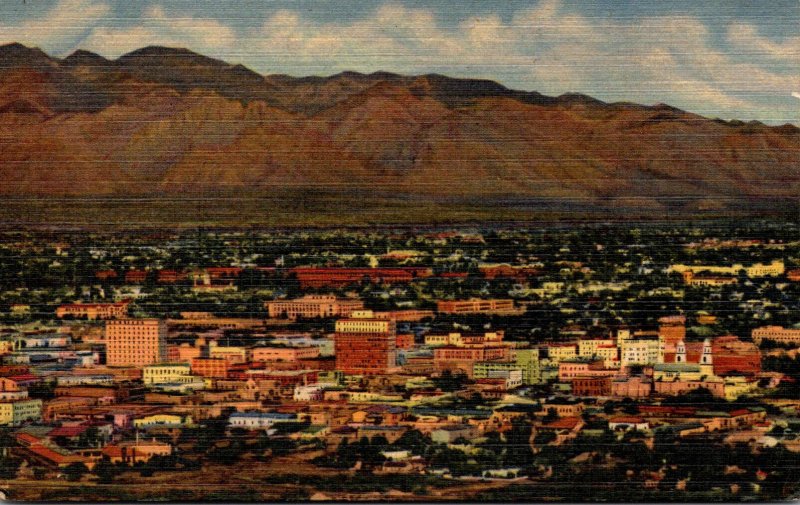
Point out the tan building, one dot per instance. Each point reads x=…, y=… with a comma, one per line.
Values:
x=313, y=306
x=557, y=353
x=283, y=353
x=93, y=310
x=776, y=333
x=476, y=306
x=773, y=269
x=16, y=412
x=136, y=342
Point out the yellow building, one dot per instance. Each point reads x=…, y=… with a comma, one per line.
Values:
x=167, y=373
x=773, y=269
x=6, y=347
x=13, y=413
x=439, y=340
x=230, y=353
x=459, y=340
x=588, y=348
x=559, y=353
x=162, y=419
x=364, y=321
x=738, y=386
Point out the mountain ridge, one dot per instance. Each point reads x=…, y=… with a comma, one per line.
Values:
x=174, y=124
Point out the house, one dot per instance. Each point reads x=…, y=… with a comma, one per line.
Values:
x=162, y=420
x=132, y=452
x=451, y=433
x=565, y=428
x=627, y=423
x=258, y=420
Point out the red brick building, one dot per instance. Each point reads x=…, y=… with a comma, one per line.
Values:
x=135, y=276
x=732, y=355
x=318, y=277
x=404, y=341
x=216, y=368
x=591, y=386
x=459, y=358
x=365, y=344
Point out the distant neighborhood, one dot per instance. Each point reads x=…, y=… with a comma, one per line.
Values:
x=504, y=361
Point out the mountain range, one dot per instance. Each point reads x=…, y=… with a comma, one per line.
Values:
x=164, y=135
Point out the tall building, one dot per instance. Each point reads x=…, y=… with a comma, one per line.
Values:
x=365, y=344
x=136, y=342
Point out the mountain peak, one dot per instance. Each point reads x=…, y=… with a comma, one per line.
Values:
x=85, y=58
x=162, y=55
x=16, y=54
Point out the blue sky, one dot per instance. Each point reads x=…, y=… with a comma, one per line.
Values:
x=729, y=59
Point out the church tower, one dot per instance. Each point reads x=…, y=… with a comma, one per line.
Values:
x=706, y=359
x=680, y=352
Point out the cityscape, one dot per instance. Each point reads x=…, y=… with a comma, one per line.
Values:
x=412, y=364
x=429, y=251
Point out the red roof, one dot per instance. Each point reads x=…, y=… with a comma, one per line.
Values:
x=627, y=420
x=67, y=431
x=740, y=412
x=26, y=438
x=48, y=454
x=23, y=378
x=112, y=451
x=565, y=423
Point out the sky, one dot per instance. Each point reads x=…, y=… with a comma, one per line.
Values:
x=724, y=58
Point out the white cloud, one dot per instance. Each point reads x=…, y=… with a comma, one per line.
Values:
x=157, y=27
x=65, y=23
x=746, y=38
x=548, y=47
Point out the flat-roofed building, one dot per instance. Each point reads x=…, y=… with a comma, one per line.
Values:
x=216, y=368
x=464, y=358
x=163, y=373
x=93, y=311
x=476, y=306
x=311, y=306
x=777, y=334
x=16, y=412
x=136, y=342
x=283, y=353
x=640, y=351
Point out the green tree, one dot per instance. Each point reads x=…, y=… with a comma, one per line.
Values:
x=552, y=415
x=74, y=471
x=105, y=471
x=9, y=468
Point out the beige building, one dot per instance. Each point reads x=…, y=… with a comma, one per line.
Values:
x=773, y=269
x=15, y=412
x=313, y=306
x=557, y=353
x=476, y=306
x=777, y=334
x=640, y=351
x=136, y=342
x=164, y=373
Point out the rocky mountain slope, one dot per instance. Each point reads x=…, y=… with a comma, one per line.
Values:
x=169, y=125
